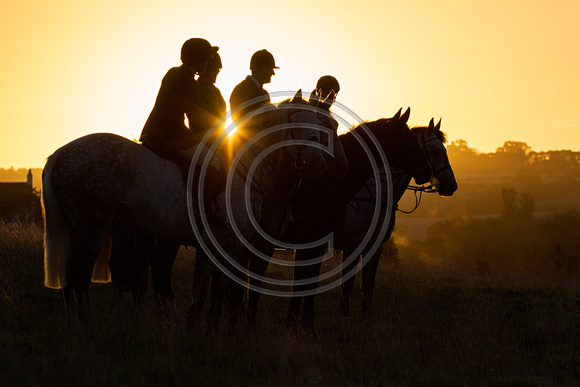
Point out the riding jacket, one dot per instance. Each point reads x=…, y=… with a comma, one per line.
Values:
x=165, y=128
x=212, y=105
x=246, y=91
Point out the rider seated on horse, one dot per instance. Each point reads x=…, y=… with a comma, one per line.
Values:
x=250, y=95
x=323, y=97
x=180, y=96
x=313, y=197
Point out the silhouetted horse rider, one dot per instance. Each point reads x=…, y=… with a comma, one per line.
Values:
x=211, y=101
x=166, y=134
x=180, y=96
x=165, y=129
x=250, y=95
x=318, y=206
x=323, y=97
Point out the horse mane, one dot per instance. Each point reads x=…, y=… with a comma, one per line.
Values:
x=356, y=126
x=287, y=100
x=291, y=100
x=442, y=136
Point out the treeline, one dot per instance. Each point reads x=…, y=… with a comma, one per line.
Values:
x=513, y=156
x=516, y=241
x=552, y=178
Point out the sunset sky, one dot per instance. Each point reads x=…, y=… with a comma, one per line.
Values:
x=493, y=71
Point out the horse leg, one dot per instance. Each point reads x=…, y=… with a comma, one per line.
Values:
x=85, y=248
x=346, y=284
x=234, y=290
x=70, y=305
x=369, y=272
x=217, y=296
x=162, y=260
x=295, y=301
x=137, y=267
x=83, y=299
x=300, y=273
x=203, y=268
x=77, y=304
x=314, y=272
x=258, y=266
x=122, y=246
x=309, y=273
x=295, y=233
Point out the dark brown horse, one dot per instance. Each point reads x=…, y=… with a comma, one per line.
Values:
x=368, y=219
x=324, y=215
x=360, y=211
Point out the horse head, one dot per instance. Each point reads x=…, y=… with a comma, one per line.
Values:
x=400, y=144
x=432, y=141
x=300, y=133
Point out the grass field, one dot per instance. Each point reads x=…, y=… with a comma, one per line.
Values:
x=430, y=327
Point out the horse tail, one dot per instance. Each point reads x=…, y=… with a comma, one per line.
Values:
x=57, y=232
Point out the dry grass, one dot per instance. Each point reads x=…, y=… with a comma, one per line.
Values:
x=430, y=327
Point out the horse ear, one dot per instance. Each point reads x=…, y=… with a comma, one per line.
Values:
x=405, y=117
x=438, y=126
x=431, y=125
x=398, y=115
x=297, y=96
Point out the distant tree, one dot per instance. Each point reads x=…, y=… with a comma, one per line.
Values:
x=514, y=148
x=526, y=207
x=556, y=162
x=513, y=154
x=460, y=148
x=510, y=207
x=514, y=209
x=561, y=230
x=462, y=156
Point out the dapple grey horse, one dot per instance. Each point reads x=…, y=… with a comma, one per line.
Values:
x=100, y=177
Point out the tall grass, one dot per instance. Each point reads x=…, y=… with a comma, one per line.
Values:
x=430, y=327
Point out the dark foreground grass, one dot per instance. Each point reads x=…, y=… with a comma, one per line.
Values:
x=430, y=327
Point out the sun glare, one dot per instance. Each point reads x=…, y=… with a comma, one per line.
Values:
x=230, y=127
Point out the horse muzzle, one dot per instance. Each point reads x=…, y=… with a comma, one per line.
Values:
x=444, y=189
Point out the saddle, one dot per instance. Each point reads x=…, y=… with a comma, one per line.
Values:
x=181, y=161
x=214, y=180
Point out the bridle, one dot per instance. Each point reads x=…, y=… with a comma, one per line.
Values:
x=419, y=190
x=424, y=142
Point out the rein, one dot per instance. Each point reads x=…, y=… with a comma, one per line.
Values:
x=420, y=190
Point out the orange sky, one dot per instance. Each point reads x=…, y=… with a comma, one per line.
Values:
x=493, y=71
